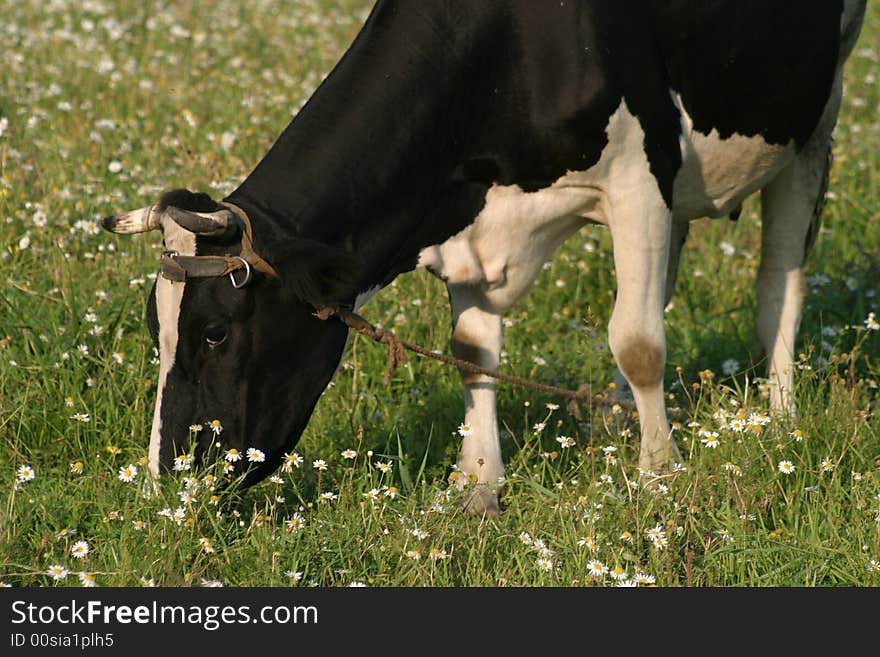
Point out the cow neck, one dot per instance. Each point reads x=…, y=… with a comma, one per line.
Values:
x=369, y=163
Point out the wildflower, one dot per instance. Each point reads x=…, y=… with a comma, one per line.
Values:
x=437, y=554
x=139, y=525
x=797, y=434
x=295, y=522
x=724, y=535
x=730, y=366
x=215, y=426
x=643, y=579
x=67, y=532
x=319, y=464
x=232, y=455
x=148, y=582
x=86, y=579
x=179, y=515
x=545, y=564
x=414, y=554
x=420, y=534
x=295, y=575
x=81, y=417
x=786, y=467
x=727, y=248
x=384, y=467
x=206, y=544
x=327, y=496
x=551, y=406
x=128, y=473
x=871, y=323
x=25, y=473
x=626, y=537
x=465, y=430
x=732, y=467
x=618, y=573
x=210, y=583
x=874, y=566
x=660, y=542
x=292, y=460
x=525, y=538
x=356, y=585
x=711, y=439
x=538, y=427
x=373, y=494
x=79, y=549
x=826, y=464
x=390, y=491
x=588, y=542
x=737, y=425
x=655, y=533
x=183, y=462
x=77, y=467
x=255, y=455
x=596, y=568
x=349, y=454
x=565, y=441
x=57, y=572
x=195, y=428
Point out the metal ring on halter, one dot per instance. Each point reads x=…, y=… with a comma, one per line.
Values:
x=247, y=274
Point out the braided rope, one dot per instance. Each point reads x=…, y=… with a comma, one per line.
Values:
x=397, y=356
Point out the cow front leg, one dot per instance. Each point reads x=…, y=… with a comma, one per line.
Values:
x=477, y=337
x=641, y=235
x=677, y=241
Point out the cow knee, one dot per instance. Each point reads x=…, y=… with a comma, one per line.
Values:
x=641, y=359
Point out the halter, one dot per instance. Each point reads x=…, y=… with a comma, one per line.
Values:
x=176, y=267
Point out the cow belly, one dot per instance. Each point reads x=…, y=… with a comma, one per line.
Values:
x=717, y=174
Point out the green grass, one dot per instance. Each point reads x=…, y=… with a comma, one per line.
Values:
x=193, y=96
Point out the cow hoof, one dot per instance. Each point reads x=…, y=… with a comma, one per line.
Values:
x=480, y=500
x=654, y=466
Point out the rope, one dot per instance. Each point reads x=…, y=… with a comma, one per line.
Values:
x=397, y=356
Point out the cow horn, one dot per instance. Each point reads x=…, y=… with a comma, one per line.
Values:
x=141, y=220
x=210, y=224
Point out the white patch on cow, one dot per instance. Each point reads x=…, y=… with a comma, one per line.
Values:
x=717, y=174
x=169, y=295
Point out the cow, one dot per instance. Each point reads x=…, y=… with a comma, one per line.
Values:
x=472, y=139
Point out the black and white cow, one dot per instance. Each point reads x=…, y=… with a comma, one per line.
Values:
x=473, y=138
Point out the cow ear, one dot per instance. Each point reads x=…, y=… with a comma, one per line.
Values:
x=317, y=273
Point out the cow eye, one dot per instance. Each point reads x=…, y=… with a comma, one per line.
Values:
x=215, y=334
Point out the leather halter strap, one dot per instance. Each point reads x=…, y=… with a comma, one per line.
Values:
x=176, y=267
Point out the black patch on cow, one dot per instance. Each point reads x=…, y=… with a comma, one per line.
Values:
x=751, y=67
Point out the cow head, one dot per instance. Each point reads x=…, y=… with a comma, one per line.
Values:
x=238, y=340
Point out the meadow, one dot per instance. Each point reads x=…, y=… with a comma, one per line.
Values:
x=105, y=104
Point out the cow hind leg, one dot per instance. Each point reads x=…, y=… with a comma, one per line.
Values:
x=792, y=205
x=477, y=338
